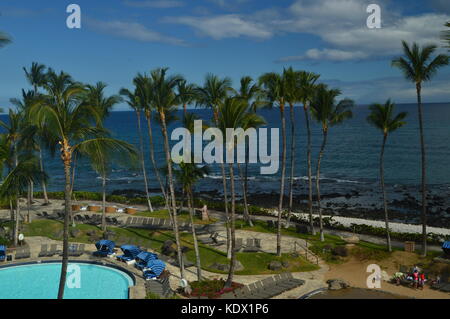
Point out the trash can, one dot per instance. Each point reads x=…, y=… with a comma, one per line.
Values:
x=410, y=246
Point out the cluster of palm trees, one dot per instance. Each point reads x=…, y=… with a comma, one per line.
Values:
x=63, y=115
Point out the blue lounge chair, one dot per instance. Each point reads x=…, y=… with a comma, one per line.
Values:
x=130, y=253
x=154, y=269
x=446, y=247
x=2, y=253
x=142, y=259
x=104, y=248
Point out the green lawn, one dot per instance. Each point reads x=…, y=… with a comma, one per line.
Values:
x=363, y=250
x=254, y=263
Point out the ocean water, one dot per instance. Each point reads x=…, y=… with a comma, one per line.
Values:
x=351, y=159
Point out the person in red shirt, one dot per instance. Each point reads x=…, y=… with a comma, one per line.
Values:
x=422, y=280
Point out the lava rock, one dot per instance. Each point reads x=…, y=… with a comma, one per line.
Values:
x=75, y=232
x=337, y=284
x=275, y=265
x=226, y=267
x=168, y=248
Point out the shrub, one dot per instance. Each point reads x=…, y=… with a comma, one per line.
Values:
x=340, y=251
x=211, y=288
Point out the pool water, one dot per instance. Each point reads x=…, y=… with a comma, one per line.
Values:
x=41, y=281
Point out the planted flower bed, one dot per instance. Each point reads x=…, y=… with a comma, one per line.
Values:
x=211, y=289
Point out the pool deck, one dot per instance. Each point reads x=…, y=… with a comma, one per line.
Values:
x=313, y=280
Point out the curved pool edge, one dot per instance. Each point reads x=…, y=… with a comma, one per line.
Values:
x=78, y=261
x=320, y=290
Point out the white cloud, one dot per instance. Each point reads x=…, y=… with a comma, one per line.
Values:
x=133, y=31
x=224, y=26
x=327, y=54
x=161, y=4
x=340, y=24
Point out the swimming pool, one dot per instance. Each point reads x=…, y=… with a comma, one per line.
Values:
x=41, y=281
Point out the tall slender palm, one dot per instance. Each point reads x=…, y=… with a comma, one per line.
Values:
x=187, y=174
x=143, y=86
x=74, y=125
x=36, y=77
x=292, y=96
x=187, y=94
x=234, y=114
x=327, y=113
x=214, y=91
x=446, y=35
x=251, y=93
x=165, y=99
x=383, y=118
x=136, y=104
x=306, y=82
x=14, y=132
x=102, y=156
x=274, y=86
x=418, y=66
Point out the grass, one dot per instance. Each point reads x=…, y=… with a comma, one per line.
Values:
x=182, y=216
x=254, y=263
x=363, y=250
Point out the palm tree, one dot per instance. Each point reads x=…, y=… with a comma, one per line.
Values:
x=418, y=66
x=75, y=125
x=274, y=86
x=102, y=156
x=144, y=91
x=187, y=94
x=4, y=39
x=306, y=82
x=252, y=94
x=187, y=174
x=292, y=96
x=134, y=101
x=214, y=91
x=234, y=114
x=383, y=118
x=36, y=77
x=327, y=113
x=446, y=35
x=164, y=99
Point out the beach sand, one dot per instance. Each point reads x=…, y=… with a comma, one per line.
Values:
x=354, y=272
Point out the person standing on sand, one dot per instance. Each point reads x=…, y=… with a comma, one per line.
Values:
x=416, y=279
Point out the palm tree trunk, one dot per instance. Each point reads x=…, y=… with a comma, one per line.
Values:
x=283, y=172
x=184, y=109
x=152, y=158
x=229, y=281
x=172, y=193
x=424, y=190
x=144, y=171
x=66, y=157
x=103, y=203
x=322, y=149
x=225, y=195
x=16, y=225
x=244, y=193
x=310, y=199
x=44, y=184
x=383, y=189
x=190, y=199
x=292, y=158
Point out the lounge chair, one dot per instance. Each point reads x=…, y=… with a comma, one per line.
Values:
x=143, y=258
x=23, y=253
x=2, y=253
x=251, y=246
x=238, y=244
x=129, y=254
x=53, y=250
x=105, y=248
x=153, y=269
x=44, y=251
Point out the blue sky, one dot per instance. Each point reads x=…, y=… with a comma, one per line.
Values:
x=232, y=38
